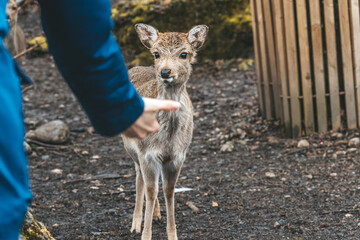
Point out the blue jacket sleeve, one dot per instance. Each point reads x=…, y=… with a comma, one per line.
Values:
x=86, y=53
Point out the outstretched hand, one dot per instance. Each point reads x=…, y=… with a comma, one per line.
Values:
x=147, y=123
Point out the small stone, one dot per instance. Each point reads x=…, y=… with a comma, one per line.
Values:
x=56, y=171
x=349, y=215
x=309, y=176
x=227, y=147
x=287, y=196
x=276, y=224
x=303, y=144
x=85, y=152
x=270, y=175
x=27, y=147
x=52, y=132
x=283, y=179
x=333, y=174
x=95, y=157
x=354, y=142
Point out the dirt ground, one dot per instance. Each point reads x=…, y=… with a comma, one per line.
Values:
x=265, y=187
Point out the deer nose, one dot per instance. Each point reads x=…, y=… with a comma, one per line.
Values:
x=165, y=73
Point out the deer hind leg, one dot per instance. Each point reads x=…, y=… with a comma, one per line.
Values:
x=151, y=174
x=138, y=211
x=170, y=175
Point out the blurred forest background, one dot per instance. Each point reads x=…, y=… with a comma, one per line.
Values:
x=230, y=35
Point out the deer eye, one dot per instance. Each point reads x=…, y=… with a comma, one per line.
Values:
x=183, y=55
x=157, y=55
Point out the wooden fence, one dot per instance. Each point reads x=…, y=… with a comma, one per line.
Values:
x=307, y=55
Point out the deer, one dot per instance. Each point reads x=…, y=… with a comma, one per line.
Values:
x=15, y=42
x=163, y=153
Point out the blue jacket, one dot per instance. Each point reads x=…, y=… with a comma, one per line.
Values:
x=87, y=55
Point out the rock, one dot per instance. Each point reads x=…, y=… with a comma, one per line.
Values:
x=56, y=132
x=32, y=229
x=227, y=147
x=56, y=171
x=303, y=144
x=309, y=176
x=270, y=175
x=354, y=142
x=27, y=147
x=333, y=174
x=276, y=224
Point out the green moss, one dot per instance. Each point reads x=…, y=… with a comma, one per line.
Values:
x=230, y=34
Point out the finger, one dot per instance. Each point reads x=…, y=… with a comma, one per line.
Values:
x=154, y=105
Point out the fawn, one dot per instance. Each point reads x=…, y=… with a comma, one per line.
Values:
x=15, y=41
x=163, y=153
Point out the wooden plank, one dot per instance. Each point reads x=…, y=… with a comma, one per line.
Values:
x=282, y=63
x=257, y=55
x=264, y=60
x=346, y=49
x=272, y=56
x=292, y=53
x=332, y=63
x=306, y=79
x=355, y=34
x=318, y=60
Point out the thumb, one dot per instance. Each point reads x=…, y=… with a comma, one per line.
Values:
x=154, y=105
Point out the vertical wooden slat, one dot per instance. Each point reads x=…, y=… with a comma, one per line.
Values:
x=291, y=49
x=272, y=55
x=304, y=51
x=264, y=60
x=282, y=63
x=355, y=33
x=318, y=60
x=257, y=55
x=332, y=63
x=347, y=63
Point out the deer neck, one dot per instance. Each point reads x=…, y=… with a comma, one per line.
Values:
x=171, y=91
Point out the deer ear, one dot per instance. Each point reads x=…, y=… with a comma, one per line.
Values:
x=197, y=36
x=147, y=34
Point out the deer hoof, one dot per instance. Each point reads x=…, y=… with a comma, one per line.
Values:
x=136, y=225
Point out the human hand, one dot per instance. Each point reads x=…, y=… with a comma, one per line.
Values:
x=147, y=123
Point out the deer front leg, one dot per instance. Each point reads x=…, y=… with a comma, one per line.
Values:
x=138, y=211
x=151, y=179
x=170, y=175
x=157, y=213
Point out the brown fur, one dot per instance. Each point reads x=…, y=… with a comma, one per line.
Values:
x=163, y=153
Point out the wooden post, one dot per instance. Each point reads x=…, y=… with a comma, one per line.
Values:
x=318, y=60
x=348, y=69
x=332, y=63
x=257, y=55
x=292, y=53
x=282, y=63
x=272, y=56
x=355, y=34
x=264, y=60
x=306, y=78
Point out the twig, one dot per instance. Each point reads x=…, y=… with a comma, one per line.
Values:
x=192, y=206
x=44, y=144
x=28, y=50
x=98, y=177
x=27, y=89
x=341, y=211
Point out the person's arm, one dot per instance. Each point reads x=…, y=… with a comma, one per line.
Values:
x=87, y=55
